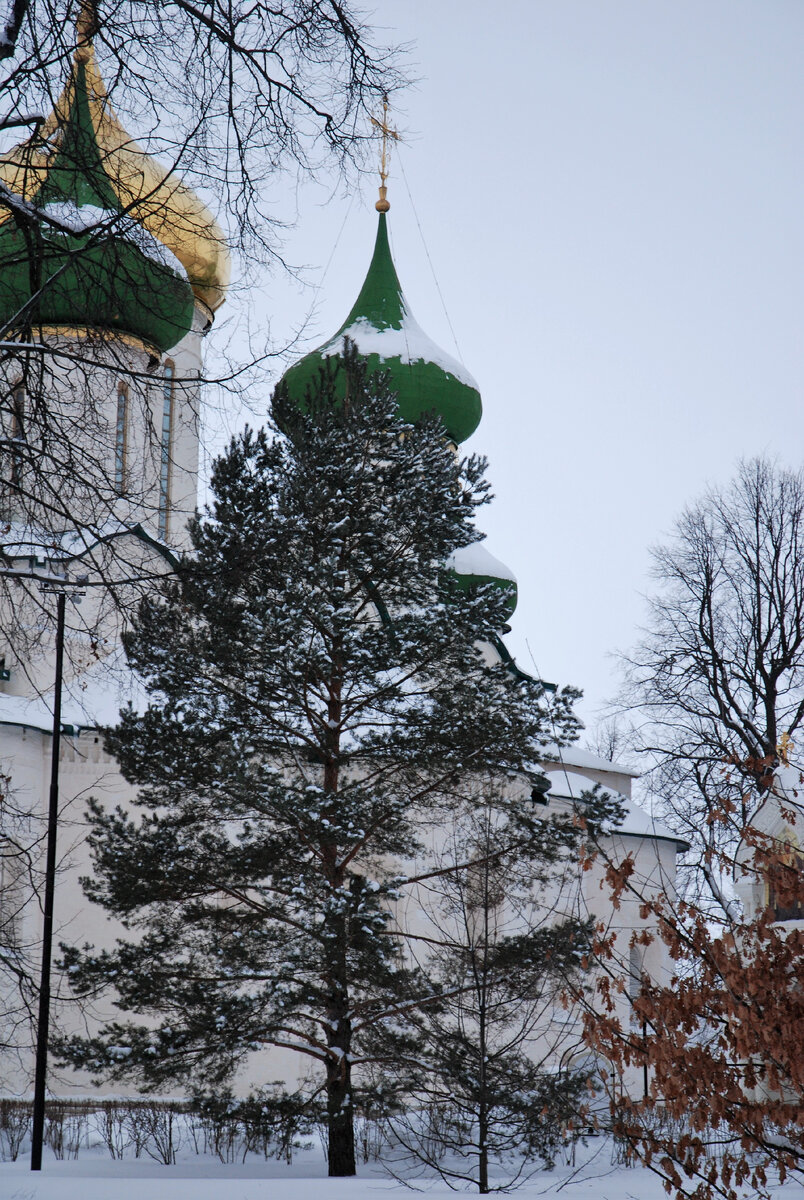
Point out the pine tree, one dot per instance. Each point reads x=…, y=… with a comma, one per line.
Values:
x=319, y=701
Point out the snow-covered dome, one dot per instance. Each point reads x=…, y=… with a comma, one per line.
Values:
x=381, y=325
x=474, y=565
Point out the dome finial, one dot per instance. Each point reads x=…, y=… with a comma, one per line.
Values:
x=86, y=26
x=382, y=204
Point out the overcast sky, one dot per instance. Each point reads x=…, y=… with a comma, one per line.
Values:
x=610, y=192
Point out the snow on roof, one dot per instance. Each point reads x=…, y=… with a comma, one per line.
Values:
x=571, y=785
x=476, y=560
x=89, y=218
x=34, y=711
x=574, y=756
x=409, y=344
x=22, y=540
x=90, y=700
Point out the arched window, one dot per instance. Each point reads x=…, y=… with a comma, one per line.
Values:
x=634, y=978
x=11, y=901
x=165, y=447
x=18, y=412
x=121, y=439
x=17, y=430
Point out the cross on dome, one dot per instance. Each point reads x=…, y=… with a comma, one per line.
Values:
x=86, y=26
x=387, y=132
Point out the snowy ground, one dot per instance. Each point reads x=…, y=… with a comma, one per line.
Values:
x=97, y=1177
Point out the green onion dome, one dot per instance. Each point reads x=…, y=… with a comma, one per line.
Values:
x=81, y=248
x=425, y=378
x=473, y=566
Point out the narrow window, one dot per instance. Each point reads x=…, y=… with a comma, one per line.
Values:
x=634, y=978
x=17, y=430
x=165, y=448
x=121, y=439
x=10, y=902
x=18, y=413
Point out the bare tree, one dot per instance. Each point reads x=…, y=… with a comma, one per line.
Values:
x=225, y=94
x=717, y=683
x=717, y=686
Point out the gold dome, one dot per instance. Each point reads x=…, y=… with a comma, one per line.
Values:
x=153, y=197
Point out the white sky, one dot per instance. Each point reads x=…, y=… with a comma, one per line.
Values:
x=610, y=193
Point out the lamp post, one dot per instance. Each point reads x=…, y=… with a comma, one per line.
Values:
x=40, y=1074
x=59, y=586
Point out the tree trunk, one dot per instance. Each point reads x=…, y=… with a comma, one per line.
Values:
x=481, y=983
x=340, y=1112
x=483, y=1156
x=340, y=1120
x=482, y=1116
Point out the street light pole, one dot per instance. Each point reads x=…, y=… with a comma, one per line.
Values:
x=47, y=927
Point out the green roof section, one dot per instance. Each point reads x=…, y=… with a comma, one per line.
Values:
x=425, y=378
x=77, y=172
x=473, y=566
x=380, y=302
x=77, y=275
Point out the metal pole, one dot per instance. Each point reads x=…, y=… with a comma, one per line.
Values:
x=47, y=926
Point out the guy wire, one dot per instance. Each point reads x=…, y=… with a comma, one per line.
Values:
x=429, y=259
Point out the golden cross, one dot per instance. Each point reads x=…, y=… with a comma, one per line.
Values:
x=385, y=129
x=86, y=26
x=784, y=748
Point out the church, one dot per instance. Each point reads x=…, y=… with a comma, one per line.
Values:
x=108, y=357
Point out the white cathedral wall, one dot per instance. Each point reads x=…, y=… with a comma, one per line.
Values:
x=77, y=380
x=779, y=822
x=654, y=875
x=587, y=893
x=117, y=482
x=80, y=377
x=187, y=360
x=557, y=1038
x=86, y=770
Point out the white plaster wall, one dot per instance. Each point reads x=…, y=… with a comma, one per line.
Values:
x=779, y=818
x=77, y=378
x=89, y=395
x=86, y=770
